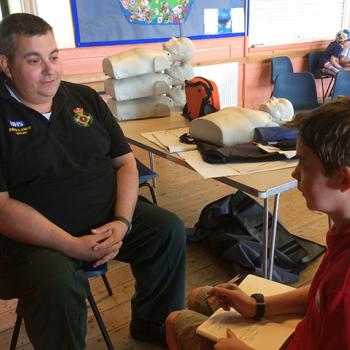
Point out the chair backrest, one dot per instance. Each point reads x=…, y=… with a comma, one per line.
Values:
x=145, y=174
x=313, y=60
x=341, y=85
x=279, y=65
x=298, y=88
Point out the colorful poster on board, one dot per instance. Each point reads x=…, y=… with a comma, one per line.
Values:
x=108, y=22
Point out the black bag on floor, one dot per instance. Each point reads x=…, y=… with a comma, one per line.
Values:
x=232, y=228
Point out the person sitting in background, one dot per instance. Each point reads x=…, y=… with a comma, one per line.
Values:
x=329, y=61
x=323, y=175
x=344, y=58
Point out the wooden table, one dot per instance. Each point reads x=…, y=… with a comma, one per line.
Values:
x=261, y=185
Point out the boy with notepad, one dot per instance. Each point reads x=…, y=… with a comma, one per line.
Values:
x=323, y=175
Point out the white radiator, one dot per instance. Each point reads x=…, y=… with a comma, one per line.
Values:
x=225, y=76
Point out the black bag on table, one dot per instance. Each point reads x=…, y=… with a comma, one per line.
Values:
x=232, y=228
x=245, y=152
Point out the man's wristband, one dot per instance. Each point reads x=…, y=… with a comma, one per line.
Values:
x=125, y=221
x=260, y=306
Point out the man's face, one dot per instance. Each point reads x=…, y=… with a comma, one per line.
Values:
x=317, y=188
x=35, y=71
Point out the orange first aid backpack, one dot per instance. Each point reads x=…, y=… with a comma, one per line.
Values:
x=202, y=98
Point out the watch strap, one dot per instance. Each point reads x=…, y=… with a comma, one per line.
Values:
x=260, y=306
x=125, y=221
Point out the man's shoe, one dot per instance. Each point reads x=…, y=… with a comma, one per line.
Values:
x=149, y=332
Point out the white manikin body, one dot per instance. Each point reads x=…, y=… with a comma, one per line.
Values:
x=136, y=61
x=151, y=84
x=229, y=126
x=139, y=108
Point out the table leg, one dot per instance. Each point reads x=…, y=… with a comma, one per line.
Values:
x=272, y=240
x=265, y=237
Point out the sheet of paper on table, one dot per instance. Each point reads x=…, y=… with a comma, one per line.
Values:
x=169, y=139
x=272, y=149
x=206, y=170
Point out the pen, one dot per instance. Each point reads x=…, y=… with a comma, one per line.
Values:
x=231, y=281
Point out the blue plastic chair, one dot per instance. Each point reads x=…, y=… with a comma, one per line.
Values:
x=341, y=85
x=145, y=175
x=313, y=68
x=279, y=65
x=298, y=88
x=89, y=272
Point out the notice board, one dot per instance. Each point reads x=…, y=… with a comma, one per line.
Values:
x=115, y=22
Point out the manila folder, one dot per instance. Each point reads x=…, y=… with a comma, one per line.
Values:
x=267, y=334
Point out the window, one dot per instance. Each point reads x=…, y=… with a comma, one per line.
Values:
x=274, y=22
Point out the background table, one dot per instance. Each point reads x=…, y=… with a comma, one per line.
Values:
x=261, y=185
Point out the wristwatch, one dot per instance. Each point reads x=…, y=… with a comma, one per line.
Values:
x=125, y=221
x=260, y=306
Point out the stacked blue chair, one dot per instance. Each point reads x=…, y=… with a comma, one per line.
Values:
x=298, y=88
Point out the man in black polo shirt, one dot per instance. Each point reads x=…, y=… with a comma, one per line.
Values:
x=68, y=192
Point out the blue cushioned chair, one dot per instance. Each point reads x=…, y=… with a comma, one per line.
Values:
x=313, y=68
x=298, y=88
x=90, y=272
x=279, y=65
x=341, y=85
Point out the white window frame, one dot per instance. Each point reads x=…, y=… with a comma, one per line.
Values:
x=282, y=22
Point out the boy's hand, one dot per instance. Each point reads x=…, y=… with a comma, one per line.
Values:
x=231, y=343
x=230, y=295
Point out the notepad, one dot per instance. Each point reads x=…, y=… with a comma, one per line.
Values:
x=267, y=334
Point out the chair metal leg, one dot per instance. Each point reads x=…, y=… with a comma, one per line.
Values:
x=151, y=190
x=108, y=286
x=17, y=328
x=323, y=96
x=329, y=88
x=100, y=322
x=153, y=167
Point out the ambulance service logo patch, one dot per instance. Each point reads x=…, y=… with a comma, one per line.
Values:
x=19, y=127
x=82, y=118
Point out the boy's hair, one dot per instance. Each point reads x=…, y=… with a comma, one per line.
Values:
x=19, y=24
x=326, y=130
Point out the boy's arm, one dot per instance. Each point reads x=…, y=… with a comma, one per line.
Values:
x=291, y=302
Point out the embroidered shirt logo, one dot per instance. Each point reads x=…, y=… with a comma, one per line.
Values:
x=19, y=127
x=82, y=118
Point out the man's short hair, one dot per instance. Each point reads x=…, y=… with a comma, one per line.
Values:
x=19, y=24
x=326, y=130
